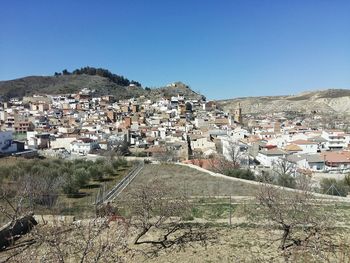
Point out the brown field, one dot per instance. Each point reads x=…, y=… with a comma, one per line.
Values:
x=240, y=243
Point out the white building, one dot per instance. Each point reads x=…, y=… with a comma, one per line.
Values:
x=269, y=157
x=336, y=140
x=199, y=142
x=83, y=146
x=306, y=146
x=313, y=162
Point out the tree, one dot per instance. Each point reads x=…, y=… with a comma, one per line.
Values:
x=284, y=171
x=70, y=187
x=303, y=227
x=159, y=210
x=120, y=80
x=65, y=72
x=165, y=154
x=24, y=238
x=241, y=173
x=95, y=173
x=95, y=240
x=121, y=148
x=234, y=153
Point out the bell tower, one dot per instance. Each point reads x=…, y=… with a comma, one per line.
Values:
x=238, y=114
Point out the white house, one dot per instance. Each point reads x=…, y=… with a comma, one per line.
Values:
x=268, y=157
x=313, y=162
x=83, y=146
x=336, y=140
x=306, y=146
x=63, y=142
x=200, y=142
x=38, y=140
x=235, y=151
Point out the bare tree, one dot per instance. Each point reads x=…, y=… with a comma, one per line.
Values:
x=285, y=172
x=283, y=167
x=303, y=226
x=234, y=153
x=120, y=148
x=165, y=154
x=25, y=237
x=231, y=158
x=158, y=214
x=90, y=240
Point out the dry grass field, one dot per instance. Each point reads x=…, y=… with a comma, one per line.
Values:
x=192, y=182
x=240, y=243
x=243, y=244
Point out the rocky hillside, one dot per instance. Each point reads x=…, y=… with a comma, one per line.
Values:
x=324, y=101
x=173, y=90
x=72, y=83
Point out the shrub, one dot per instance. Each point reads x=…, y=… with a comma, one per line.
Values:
x=286, y=180
x=81, y=177
x=241, y=173
x=332, y=186
x=95, y=173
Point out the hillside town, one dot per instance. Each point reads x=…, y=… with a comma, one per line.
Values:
x=177, y=128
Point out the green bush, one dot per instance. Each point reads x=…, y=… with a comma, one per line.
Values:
x=241, y=173
x=286, y=180
x=58, y=175
x=81, y=177
x=95, y=173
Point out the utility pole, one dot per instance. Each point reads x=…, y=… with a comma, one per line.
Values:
x=230, y=220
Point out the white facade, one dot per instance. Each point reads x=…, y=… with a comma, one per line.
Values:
x=309, y=148
x=201, y=143
x=64, y=142
x=336, y=140
x=266, y=158
x=81, y=147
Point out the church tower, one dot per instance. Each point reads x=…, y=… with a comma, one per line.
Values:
x=238, y=114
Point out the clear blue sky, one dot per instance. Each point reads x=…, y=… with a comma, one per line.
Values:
x=223, y=49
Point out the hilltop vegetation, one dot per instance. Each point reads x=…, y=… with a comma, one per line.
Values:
x=64, y=84
x=119, y=80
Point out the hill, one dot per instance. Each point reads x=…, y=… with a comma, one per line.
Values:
x=64, y=84
x=173, y=90
x=100, y=80
x=323, y=101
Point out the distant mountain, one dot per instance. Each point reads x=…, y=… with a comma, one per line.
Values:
x=100, y=80
x=322, y=101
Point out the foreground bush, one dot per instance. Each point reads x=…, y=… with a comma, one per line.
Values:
x=241, y=173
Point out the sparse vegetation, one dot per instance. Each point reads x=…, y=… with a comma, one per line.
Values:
x=332, y=186
x=54, y=176
x=241, y=173
x=192, y=215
